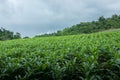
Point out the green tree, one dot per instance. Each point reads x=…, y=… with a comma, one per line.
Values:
x=89, y=27
x=17, y=35
x=8, y=35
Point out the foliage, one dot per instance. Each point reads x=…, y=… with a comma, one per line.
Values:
x=26, y=37
x=77, y=57
x=8, y=35
x=89, y=27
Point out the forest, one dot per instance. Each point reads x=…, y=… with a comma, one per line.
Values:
x=8, y=35
x=101, y=24
x=89, y=27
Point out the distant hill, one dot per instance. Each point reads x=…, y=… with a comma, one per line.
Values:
x=89, y=27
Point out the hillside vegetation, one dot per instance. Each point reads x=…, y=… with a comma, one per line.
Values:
x=78, y=57
x=8, y=35
x=89, y=27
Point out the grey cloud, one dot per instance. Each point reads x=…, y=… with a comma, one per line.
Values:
x=31, y=17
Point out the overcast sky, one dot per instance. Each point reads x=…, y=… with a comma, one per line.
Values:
x=32, y=17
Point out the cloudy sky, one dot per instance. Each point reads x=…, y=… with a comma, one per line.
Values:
x=31, y=17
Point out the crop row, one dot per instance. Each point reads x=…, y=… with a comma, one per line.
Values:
x=77, y=57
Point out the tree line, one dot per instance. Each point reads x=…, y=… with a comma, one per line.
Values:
x=8, y=35
x=84, y=27
x=89, y=27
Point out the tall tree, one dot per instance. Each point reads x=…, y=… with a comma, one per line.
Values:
x=8, y=35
